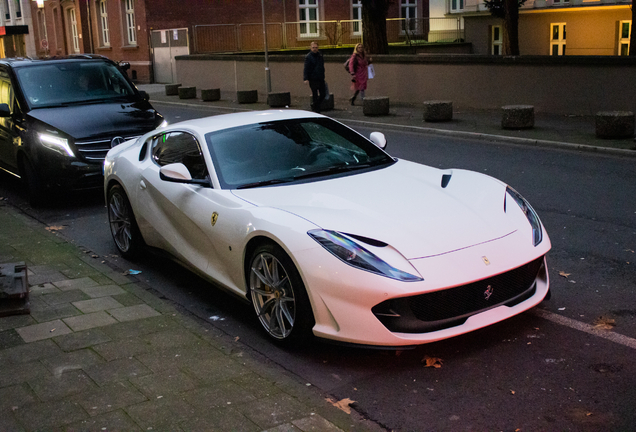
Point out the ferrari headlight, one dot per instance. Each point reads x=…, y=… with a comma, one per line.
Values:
x=533, y=218
x=355, y=255
x=57, y=144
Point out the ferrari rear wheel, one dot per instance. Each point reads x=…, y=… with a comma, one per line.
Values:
x=123, y=225
x=278, y=295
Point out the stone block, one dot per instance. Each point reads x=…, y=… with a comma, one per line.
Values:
x=326, y=105
x=438, y=111
x=172, y=89
x=187, y=92
x=247, y=96
x=211, y=95
x=517, y=117
x=275, y=100
x=375, y=106
x=614, y=124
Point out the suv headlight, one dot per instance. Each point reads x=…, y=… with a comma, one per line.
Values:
x=56, y=143
x=355, y=255
x=533, y=218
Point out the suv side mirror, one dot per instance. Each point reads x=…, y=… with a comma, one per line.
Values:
x=5, y=111
x=124, y=65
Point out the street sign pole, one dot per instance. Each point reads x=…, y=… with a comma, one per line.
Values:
x=268, y=77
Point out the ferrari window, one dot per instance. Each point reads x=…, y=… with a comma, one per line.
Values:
x=180, y=147
x=289, y=151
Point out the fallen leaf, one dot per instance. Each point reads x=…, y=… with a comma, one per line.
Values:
x=342, y=404
x=564, y=274
x=512, y=392
x=236, y=339
x=604, y=323
x=94, y=256
x=54, y=228
x=432, y=362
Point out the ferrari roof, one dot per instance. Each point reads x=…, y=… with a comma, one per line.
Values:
x=226, y=121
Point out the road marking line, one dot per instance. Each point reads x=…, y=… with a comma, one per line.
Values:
x=578, y=325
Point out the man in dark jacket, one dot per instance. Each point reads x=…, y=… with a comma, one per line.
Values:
x=314, y=75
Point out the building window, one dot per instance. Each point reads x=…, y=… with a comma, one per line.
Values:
x=356, y=14
x=456, y=5
x=42, y=25
x=7, y=11
x=560, y=2
x=72, y=30
x=308, y=17
x=624, y=34
x=408, y=11
x=102, y=23
x=557, y=39
x=129, y=19
x=18, y=9
x=496, y=40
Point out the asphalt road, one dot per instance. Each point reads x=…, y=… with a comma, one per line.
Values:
x=548, y=369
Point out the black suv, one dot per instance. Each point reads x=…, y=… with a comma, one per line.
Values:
x=60, y=116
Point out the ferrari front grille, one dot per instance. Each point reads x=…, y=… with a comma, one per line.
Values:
x=451, y=307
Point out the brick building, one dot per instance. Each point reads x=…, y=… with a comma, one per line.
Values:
x=139, y=31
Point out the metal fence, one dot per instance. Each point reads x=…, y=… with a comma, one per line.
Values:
x=218, y=38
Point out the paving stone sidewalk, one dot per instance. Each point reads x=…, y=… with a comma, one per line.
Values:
x=99, y=351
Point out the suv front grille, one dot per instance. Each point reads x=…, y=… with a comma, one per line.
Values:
x=451, y=307
x=95, y=150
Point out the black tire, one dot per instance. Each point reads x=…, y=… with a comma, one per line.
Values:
x=32, y=184
x=279, y=296
x=123, y=226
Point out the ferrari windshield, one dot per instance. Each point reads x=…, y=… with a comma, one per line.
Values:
x=289, y=151
x=70, y=82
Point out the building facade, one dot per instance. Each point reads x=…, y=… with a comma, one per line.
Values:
x=15, y=22
x=551, y=27
x=150, y=33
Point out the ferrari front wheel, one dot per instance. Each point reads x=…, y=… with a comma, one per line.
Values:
x=123, y=225
x=278, y=295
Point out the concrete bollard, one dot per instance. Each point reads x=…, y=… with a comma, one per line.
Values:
x=172, y=89
x=211, y=95
x=517, y=117
x=247, y=96
x=437, y=111
x=326, y=105
x=275, y=100
x=614, y=124
x=375, y=106
x=187, y=92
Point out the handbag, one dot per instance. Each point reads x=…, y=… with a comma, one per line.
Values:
x=371, y=71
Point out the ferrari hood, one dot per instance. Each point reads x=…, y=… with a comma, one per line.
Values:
x=404, y=205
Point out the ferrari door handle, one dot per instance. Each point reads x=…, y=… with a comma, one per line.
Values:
x=142, y=185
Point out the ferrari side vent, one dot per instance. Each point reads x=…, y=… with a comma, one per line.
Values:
x=445, y=180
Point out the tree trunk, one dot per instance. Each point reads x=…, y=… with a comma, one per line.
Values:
x=511, y=27
x=632, y=38
x=374, y=14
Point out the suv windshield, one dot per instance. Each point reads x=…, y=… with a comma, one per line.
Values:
x=290, y=150
x=54, y=84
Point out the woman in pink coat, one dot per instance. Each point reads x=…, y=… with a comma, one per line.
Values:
x=358, y=66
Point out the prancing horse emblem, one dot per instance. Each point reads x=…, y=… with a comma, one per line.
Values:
x=215, y=216
x=488, y=292
x=486, y=260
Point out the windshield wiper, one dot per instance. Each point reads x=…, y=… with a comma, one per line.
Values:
x=266, y=182
x=333, y=170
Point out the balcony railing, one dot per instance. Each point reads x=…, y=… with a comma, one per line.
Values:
x=218, y=38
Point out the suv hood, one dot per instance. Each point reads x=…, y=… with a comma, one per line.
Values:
x=98, y=119
x=403, y=205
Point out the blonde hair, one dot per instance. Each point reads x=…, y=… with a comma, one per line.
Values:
x=355, y=49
